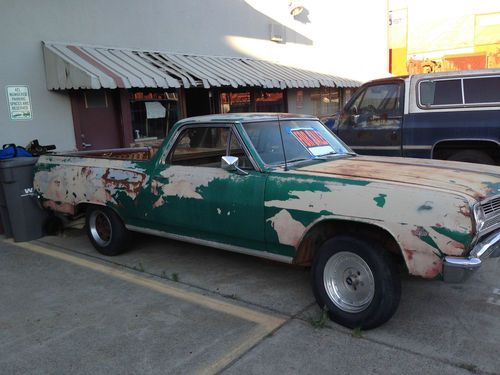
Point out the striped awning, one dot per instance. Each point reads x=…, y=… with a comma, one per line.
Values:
x=70, y=66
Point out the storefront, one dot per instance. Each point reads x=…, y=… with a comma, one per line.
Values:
x=121, y=97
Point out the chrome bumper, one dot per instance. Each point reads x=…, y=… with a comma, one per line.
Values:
x=457, y=270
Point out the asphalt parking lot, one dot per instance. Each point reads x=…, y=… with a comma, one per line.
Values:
x=170, y=307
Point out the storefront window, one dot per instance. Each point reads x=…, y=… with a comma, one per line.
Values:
x=266, y=101
x=235, y=102
x=348, y=93
x=153, y=113
x=326, y=101
x=255, y=101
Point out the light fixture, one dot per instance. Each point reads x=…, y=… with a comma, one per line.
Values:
x=295, y=8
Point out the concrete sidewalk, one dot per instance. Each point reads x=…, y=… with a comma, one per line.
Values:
x=170, y=307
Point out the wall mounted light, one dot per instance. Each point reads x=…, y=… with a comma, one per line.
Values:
x=295, y=8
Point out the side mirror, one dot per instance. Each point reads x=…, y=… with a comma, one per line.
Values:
x=230, y=163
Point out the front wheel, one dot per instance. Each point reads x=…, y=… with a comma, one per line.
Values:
x=356, y=281
x=106, y=230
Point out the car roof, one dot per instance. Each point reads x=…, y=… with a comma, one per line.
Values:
x=245, y=117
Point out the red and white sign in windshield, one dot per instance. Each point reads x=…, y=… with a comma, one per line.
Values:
x=313, y=141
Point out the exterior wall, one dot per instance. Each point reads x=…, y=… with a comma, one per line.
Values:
x=448, y=35
x=318, y=39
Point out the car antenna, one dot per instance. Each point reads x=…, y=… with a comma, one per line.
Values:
x=282, y=144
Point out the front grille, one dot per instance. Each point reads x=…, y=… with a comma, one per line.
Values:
x=492, y=221
x=491, y=210
x=491, y=207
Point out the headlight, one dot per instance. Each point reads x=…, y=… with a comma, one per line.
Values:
x=479, y=217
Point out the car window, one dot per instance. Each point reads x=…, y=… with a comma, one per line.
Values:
x=381, y=99
x=204, y=147
x=237, y=150
x=302, y=140
x=441, y=92
x=482, y=90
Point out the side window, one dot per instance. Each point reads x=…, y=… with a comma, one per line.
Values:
x=236, y=150
x=381, y=100
x=202, y=146
x=482, y=90
x=441, y=92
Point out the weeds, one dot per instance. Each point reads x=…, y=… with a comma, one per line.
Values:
x=139, y=268
x=322, y=321
x=173, y=277
x=357, y=333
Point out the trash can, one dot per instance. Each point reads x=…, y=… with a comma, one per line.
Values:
x=22, y=217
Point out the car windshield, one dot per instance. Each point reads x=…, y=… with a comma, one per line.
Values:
x=302, y=140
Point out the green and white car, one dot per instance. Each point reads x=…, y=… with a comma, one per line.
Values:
x=283, y=187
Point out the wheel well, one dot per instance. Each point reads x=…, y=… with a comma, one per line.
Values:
x=327, y=229
x=443, y=150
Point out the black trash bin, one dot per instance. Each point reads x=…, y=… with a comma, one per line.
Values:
x=22, y=216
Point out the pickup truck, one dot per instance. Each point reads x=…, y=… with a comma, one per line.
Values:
x=445, y=115
x=283, y=187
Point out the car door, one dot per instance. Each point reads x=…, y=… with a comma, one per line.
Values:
x=371, y=123
x=195, y=197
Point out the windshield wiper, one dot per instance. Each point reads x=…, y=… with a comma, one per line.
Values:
x=298, y=159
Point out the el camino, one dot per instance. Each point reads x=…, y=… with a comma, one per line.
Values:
x=283, y=187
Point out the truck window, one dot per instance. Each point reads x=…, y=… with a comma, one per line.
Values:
x=379, y=100
x=482, y=90
x=440, y=92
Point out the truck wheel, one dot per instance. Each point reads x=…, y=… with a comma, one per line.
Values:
x=356, y=282
x=472, y=156
x=106, y=231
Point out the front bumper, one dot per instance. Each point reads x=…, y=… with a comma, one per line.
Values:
x=457, y=270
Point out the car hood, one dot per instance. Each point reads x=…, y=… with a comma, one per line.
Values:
x=475, y=180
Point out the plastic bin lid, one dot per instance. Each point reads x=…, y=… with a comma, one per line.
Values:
x=17, y=162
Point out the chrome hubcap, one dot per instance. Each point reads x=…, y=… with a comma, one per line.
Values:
x=100, y=228
x=349, y=282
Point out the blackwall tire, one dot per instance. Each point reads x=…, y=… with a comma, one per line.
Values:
x=472, y=156
x=106, y=231
x=356, y=281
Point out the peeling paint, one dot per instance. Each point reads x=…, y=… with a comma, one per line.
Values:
x=288, y=229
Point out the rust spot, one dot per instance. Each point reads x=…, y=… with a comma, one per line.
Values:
x=130, y=187
x=436, y=269
x=408, y=254
x=465, y=210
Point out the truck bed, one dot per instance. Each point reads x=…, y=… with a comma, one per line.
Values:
x=65, y=181
x=132, y=153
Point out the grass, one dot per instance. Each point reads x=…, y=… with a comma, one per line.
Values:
x=139, y=267
x=357, y=333
x=173, y=277
x=322, y=321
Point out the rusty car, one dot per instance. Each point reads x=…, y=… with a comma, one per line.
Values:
x=283, y=187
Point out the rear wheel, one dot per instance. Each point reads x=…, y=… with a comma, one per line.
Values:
x=357, y=282
x=106, y=231
x=472, y=156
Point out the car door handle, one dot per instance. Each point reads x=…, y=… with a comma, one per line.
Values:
x=86, y=145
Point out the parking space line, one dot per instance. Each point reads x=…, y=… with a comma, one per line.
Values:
x=266, y=323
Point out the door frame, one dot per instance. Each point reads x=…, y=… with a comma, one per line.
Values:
x=124, y=119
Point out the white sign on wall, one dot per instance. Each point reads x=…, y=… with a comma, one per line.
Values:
x=19, y=101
